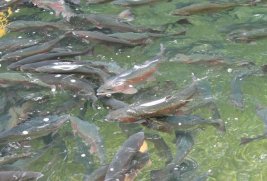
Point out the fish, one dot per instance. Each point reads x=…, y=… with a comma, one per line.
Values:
x=21, y=25
x=162, y=149
x=73, y=68
x=10, y=45
x=98, y=174
x=160, y=107
x=58, y=6
x=143, y=37
x=20, y=175
x=246, y=36
x=96, y=1
x=90, y=135
x=184, y=144
x=237, y=97
x=47, y=56
x=101, y=37
x=82, y=87
x=9, y=159
x=132, y=2
x=199, y=59
x=12, y=78
x=203, y=8
x=170, y=124
x=262, y=113
x=107, y=21
x=33, y=50
x=124, y=82
x=33, y=128
x=120, y=162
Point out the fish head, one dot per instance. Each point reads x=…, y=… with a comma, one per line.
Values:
x=113, y=86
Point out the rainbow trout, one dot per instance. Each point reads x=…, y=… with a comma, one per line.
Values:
x=164, y=106
x=124, y=82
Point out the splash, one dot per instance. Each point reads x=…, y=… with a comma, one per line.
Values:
x=4, y=21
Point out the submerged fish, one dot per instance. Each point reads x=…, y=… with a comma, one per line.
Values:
x=20, y=175
x=12, y=78
x=101, y=37
x=82, y=87
x=246, y=36
x=160, y=107
x=132, y=2
x=124, y=82
x=203, y=8
x=21, y=25
x=184, y=145
x=262, y=113
x=46, y=56
x=33, y=128
x=101, y=21
x=185, y=123
x=58, y=6
x=90, y=135
x=10, y=45
x=118, y=167
x=198, y=59
x=23, y=53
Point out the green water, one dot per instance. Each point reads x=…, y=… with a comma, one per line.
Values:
x=219, y=153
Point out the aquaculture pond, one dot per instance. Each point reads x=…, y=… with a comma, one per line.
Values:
x=133, y=90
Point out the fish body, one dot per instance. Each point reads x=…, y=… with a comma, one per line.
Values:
x=10, y=45
x=132, y=2
x=186, y=123
x=100, y=37
x=90, y=134
x=45, y=56
x=21, y=25
x=203, y=8
x=184, y=145
x=164, y=106
x=124, y=82
x=33, y=50
x=80, y=86
x=121, y=161
x=33, y=128
x=20, y=175
x=246, y=36
x=58, y=6
x=11, y=78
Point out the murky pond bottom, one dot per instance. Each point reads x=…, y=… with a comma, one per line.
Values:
x=63, y=154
